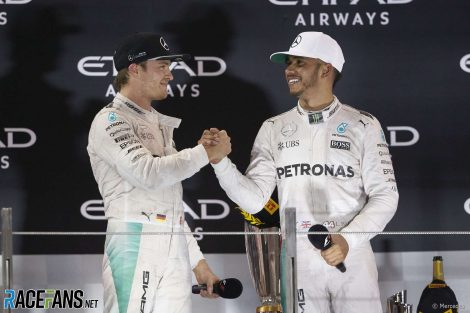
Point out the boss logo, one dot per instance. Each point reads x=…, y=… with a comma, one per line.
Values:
x=343, y=145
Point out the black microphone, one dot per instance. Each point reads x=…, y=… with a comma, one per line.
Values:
x=323, y=241
x=228, y=288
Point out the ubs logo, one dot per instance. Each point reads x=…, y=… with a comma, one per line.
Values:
x=287, y=144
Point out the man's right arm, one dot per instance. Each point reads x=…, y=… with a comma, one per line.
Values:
x=135, y=163
x=253, y=190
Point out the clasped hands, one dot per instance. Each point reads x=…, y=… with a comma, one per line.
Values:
x=217, y=144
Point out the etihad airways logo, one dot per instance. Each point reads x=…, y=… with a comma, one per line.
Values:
x=3, y=15
x=465, y=63
x=333, y=2
x=361, y=16
x=466, y=206
x=204, y=66
x=14, y=1
x=103, y=66
x=15, y=138
x=208, y=209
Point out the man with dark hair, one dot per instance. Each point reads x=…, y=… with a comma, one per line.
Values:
x=139, y=174
x=329, y=161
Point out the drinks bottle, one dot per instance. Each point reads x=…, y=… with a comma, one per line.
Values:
x=438, y=297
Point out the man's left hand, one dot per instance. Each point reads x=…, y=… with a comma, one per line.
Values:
x=337, y=252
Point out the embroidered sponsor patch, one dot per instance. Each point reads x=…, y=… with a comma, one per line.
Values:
x=343, y=145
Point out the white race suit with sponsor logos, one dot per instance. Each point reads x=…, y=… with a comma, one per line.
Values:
x=139, y=174
x=334, y=167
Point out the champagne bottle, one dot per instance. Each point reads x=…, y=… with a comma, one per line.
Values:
x=438, y=297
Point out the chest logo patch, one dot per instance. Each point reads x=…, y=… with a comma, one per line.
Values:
x=112, y=117
x=341, y=129
x=289, y=129
x=288, y=144
x=343, y=145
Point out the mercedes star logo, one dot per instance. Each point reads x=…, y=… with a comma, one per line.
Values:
x=289, y=129
x=296, y=41
x=164, y=44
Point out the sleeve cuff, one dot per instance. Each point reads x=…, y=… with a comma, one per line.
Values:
x=222, y=166
x=200, y=156
x=194, y=260
x=351, y=240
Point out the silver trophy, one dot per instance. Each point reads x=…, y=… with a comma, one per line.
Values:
x=263, y=252
x=397, y=303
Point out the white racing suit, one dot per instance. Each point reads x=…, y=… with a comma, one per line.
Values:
x=139, y=174
x=334, y=167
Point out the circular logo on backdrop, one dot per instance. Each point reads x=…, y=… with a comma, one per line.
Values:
x=164, y=44
x=465, y=63
x=466, y=206
x=296, y=42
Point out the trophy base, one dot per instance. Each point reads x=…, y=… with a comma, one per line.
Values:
x=276, y=308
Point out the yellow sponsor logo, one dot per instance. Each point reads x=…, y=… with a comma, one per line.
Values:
x=271, y=206
x=250, y=218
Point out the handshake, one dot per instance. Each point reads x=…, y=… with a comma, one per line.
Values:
x=217, y=144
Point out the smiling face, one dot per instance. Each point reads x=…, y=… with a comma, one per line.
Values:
x=302, y=75
x=154, y=78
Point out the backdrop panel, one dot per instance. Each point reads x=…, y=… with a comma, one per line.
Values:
x=407, y=62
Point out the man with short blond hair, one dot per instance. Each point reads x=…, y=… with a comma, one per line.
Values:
x=139, y=174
